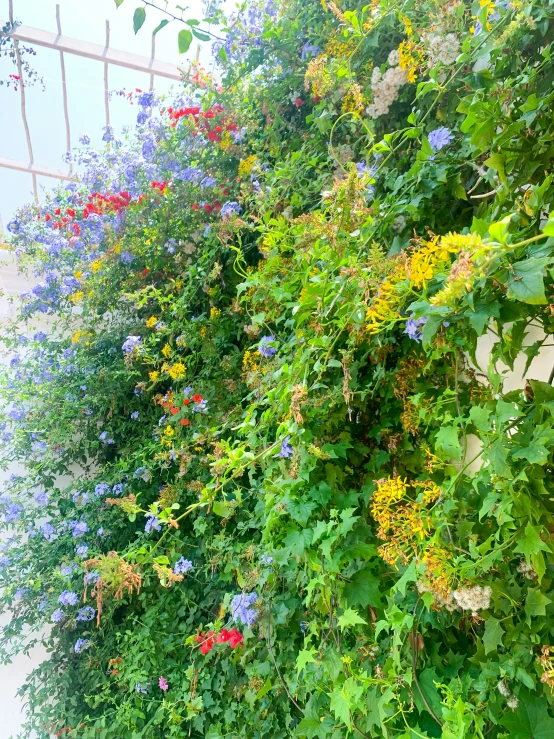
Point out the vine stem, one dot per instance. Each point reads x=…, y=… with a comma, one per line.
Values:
x=268, y=641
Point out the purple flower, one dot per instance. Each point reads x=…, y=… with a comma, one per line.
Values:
x=171, y=246
x=126, y=257
x=81, y=644
x=241, y=609
x=286, y=449
x=78, y=528
x=57, y=616
x=108, y=133
x=48, y=531
x=162, y=682
x=18, y=595
x=414, y=327
x=85, y=614
x=266, y=348
x=308, y=48
x=84, y=139
x=81, y=551
x=152, y=522
x=42, y=498
x=105, y=439
x=439, y=138
x=230, y=208
x=143, y=688
x=40, y=336
x=135, y=415
x=117, y=488
x=92, y=577
x=101, y=489
x=68, y=570
x=182, y=566
x=131, y=345
x=68, y=598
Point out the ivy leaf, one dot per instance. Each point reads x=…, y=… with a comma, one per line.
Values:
x=535, y=603
x=529, y=721
x=447, y=442
x=481, y=418
x=526, y=282
x=493, y=635
x=306, y=656
x=139, y=17
x=535, y=453
x=344, y=698
x=184, y=40
x=363, y=590
x=531, y=543
x=350, y=618
x=498, y=457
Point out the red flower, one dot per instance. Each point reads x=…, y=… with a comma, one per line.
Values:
x=223, y=636
x=195, y=206
x=174, y=410
x=207, y=642
x=47, y=217
x=235, y=638
x=70, y=212
x=299, y=102
x=57, y=211
x=185, y=422
x=187, y=401
x=208, y=208
x=197, y=398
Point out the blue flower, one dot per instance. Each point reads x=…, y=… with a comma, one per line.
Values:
x=132, y=345
x=182, y=566
x=241, y=609
x=286, y=449
x=105, y=438
x=135, y=415
x=92, y=577
x=85, y=614
x=152, y=522
x=81, y=551
x=48, y=531
x=42, y=498
x=308, y=48
x=68, y=598
x=126, y=257
x=78, y=528
x=57, y=616
x=84, y=139
x=266, y=346
x=68, y=570
x=81, y=644
x=230, y=208
x=439, y=138
x=142, y=688
x=414, y=327
x=101, y=489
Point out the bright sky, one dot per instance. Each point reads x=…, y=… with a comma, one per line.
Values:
x=81, y=19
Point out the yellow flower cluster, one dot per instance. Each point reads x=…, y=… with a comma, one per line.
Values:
x=385, y=304
x=152, y=321
x=177, y=371
x=79, y=336
x=226, y=141
x=410, y=59
x=246, y=165
x=353, y=100
x=250, y=362
x=338, y=47
x=318, y=77
x=464, y=272
x=167, y=351
x=96, y=265
x=401, y=520
x=214, y=313
x=154, y=375
x=77, y=297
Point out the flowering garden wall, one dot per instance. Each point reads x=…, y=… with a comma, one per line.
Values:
x=265, y=303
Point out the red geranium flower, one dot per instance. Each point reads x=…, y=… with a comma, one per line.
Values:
x=235, y=638
x=174, y=410
x=187, y=401
x=197, y=398
x=185, y=422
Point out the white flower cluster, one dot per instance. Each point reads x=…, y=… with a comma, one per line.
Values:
x=473, y=599
x=527, y=570
x=385, y=87
x=399, y=224
x=442, y=49
x=504, y=690
x=467, y=599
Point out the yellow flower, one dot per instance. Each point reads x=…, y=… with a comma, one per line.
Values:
x=96, y=265
x=152, y=321
x=250, y=361
x=76, y=337
x=226, y=141
x=214, y=313
x=78, y=274
x=77, y=297
x=167, y=351
x=203, y=331
x=246, y=165
x=177, y=371
x=410, y=58
x=154, y=375
x=169, y=431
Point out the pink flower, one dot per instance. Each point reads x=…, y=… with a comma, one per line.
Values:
x=162, y=682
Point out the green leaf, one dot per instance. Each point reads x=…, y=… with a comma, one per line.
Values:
x=493, y=635
x=222, y=55
x=264, y=689
x=535, y=603
x=481, y=418
x=530, y=720
x=426, y=682
x=447, y=442
x=363, y=590
x=499, y=230
x=350, y=618
x=184, y=40
x=526, y=282
x=344, y=698
x=530, y=543
x=159, y=27
x=543, y=392
x=535, y=453
x=118, y=3
x=139, y=17
x=498, y=457
x=221, y=509
x=306, y=656
x=201, y=35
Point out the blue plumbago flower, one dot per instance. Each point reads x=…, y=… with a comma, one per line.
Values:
x=100, y=532
x=286, y=450
x=57, y=616
x=4, y=561
x=146, y=99
x=85, y=614
x=439, y=138
x=68, y=598
x=105, y=439
x=108, y=133
x=68, y=570
x=81, y=498
x=84, y=139
x=171, y=246
x=414, y=327
x=67, y=157
x=81, y=551
x=81, y=644
x=18, y=595
x=152, y=522
x=208, y=182
x=40, y=336
x=101, y=489
x=48, y=531
x=241, y=608
x=78, y=528
x=308, y=48
x=117, y=488
x=230, y=208
x=92, y=577
x=42, y=498
x=131, y=345
x=143, y=688
x=126, y=257
x=135, y=415
x=182, y=566
x=266, y=347
x=143, y=473
x=265, y=559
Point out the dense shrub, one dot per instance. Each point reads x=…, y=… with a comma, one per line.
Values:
x=247, y=507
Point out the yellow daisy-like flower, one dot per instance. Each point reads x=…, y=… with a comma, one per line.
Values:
x=153, y=375
x=96, y=265
x=169, y=431
x=152, y=321
x=214, y=313
x=78, y=275
x=246, y=165
x=177, y=371
x=76, y=338
x=167, y=351
x=77, y=297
